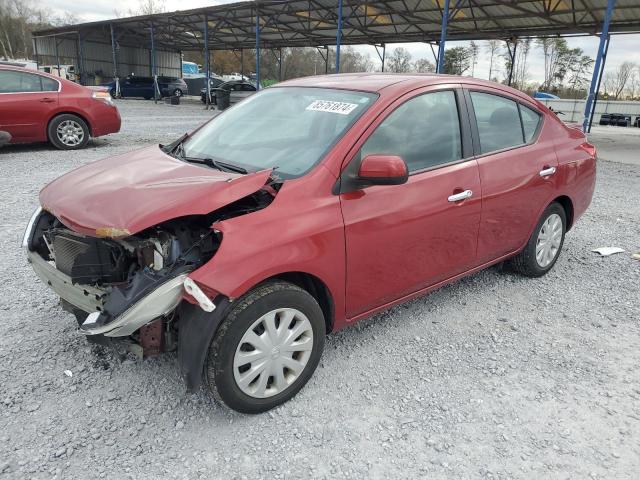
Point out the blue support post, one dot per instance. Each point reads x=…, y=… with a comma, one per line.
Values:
x=257, y=48
x=604, y=34
x=443, y=36
x=338, y=36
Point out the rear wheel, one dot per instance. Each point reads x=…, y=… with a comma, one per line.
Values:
x=544, y=246
x=68, y=132
x=266, y=349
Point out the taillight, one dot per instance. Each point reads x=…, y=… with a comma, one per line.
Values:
x=103, y=96
x=589, y=148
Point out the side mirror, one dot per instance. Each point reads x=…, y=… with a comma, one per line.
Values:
x=383, y=170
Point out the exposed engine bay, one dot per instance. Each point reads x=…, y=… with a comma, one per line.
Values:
x=130, y=287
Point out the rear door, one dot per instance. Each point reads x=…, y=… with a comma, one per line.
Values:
x=403, y=238
x=27, y=101
x=517, y=169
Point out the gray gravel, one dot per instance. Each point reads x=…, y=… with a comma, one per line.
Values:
x=496, y=376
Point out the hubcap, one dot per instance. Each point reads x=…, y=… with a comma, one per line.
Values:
x=273, y=353
x=70, y=133
x=549, y=239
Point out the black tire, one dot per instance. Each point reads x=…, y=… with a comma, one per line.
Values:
x=74, y=122
x=218, y=372
x=177, y=92
x=148, y=98
x=526, y=262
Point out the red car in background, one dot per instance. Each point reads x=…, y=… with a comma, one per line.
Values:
x=37, y=107
x=306, y=207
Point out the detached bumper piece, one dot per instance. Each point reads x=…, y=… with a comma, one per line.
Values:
x=149, y=296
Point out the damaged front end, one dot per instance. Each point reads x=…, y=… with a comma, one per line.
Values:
x=130, y=287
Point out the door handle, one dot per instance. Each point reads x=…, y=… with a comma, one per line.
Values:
x=545, y=172
x=456, y=197
x=47, y=100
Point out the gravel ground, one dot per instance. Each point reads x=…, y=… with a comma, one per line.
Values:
x=496, y=376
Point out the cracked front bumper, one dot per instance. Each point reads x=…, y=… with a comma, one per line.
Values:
x=158, y=302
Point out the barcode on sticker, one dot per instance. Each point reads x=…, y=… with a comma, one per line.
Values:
x=332, y=107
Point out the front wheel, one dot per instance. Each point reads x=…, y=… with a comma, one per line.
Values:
x=266, y=349
x=68, y=132
x=544, y=246
x=177, y=92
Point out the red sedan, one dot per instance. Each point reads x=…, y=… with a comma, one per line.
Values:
x=302, y=209
x=37, y=107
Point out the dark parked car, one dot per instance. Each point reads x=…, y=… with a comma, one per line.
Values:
x=214, y=83
x=134, y=86
x=239, y=89
x=605, y=119
x=38, y=107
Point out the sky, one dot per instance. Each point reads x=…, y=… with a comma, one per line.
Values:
x=622, y=47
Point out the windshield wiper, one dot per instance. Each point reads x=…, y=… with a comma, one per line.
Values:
x=220, y=165
x=173, y=145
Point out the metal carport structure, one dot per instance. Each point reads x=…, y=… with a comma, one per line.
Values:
x=274, y=24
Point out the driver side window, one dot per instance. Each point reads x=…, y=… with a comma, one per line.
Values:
x=424, y=132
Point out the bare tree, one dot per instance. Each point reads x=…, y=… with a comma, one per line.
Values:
x=620, y=78
x=399, y=61
x=474, y=49
x=149, y=7
x=422, y=65
x=634, y=85
x=493, y=47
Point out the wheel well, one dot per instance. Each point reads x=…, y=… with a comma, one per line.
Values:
x=84, y=119
x=316, y=288
x=567, y=204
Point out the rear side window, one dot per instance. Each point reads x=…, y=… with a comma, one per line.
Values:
x=530, y=122
x=20, y=82
x=498, y=122
x=424, y=132
x=49, y=84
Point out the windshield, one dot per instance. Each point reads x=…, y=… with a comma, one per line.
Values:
x=288, y=128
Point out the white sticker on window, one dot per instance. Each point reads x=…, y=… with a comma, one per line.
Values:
x=332, y=107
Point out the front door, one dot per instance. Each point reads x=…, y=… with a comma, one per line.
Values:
x=27, y=101
x=403, y=238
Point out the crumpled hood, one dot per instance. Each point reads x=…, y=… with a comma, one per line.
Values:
x=123, y=195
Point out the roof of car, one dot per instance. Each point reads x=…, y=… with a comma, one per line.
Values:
x=375, y=82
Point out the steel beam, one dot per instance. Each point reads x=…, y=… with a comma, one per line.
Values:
x=35, y=52
x=154, y=71
x=339, y=36
x=257, y=48
x=115, y=61
x=512, y=54
x=207, y=63
x=80, y=60
x=443, y=36
x=604, y=34
x=55, y=39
